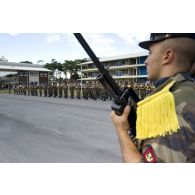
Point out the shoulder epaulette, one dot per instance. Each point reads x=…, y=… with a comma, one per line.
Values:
x=156, y=115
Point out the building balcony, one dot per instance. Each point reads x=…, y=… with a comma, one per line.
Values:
x=115, y=68
x=118, y=77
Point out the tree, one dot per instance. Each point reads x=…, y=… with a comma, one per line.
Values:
x=69, y=66
x=53, y=66
x=72, y=67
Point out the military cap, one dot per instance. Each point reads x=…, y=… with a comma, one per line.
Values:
x=157, y=37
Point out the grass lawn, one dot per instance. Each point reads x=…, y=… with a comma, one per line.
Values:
x=6, y=91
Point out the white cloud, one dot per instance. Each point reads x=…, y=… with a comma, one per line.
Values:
x=133, y=38
x=71, y=40
x=99, y=39
x=107, y=44
x=103, y=44
x=51, y=38
x=13, y=34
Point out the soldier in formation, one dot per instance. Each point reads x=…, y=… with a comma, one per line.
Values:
x=60, y=89
x=72, y=89
x=93, y=90
x=65, y=89
x=78, y=90
x=40, y=88
x=45, y=89
x=55, y=90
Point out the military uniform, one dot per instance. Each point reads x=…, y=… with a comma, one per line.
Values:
x=92, y=91
x=167, y=132
x=9, y=88
x=19, y=89
x=142, y=91
x=72, y=88
x=40, y=90
x=85, y=91
x=136, y=89
x=50, y=92
x=98, y=90
x=103, y=94
x=45, y=90
x=60, y=88
x=65, y=90
x=78, y=91
x=55, y=90
x=32, y=89
x=24, y=89
x=28, y=90
x=178, y=146
x=36, y=90
x=15, y=89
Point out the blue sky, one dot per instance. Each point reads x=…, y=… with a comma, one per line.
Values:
x=63, y=46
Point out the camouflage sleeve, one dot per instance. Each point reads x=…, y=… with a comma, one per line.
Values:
x=179, y=146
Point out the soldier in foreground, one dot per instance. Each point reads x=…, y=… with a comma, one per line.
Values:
x=165, y=126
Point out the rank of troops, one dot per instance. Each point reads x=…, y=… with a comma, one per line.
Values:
x=70, y=89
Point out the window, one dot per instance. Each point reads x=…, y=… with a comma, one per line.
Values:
x=119, y=73
x=132, y=61
x=142, y=59
x=41, y=74
x=25, y=73
x=142, y=71
x=21, y=74
x=119, y=63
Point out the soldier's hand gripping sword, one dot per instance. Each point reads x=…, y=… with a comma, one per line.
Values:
x=120, y=98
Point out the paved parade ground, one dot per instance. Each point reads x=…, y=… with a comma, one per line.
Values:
x=42, y=129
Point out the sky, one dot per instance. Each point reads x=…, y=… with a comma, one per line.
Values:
x=17, y=47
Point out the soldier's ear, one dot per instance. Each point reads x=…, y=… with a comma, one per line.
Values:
x=168, y=56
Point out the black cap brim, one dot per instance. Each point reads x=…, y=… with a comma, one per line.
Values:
x=147, y=44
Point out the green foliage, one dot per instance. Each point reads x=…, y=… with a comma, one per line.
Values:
x=69, y=66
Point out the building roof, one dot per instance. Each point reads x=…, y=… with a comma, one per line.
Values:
x=119, y=57
x=13, y=66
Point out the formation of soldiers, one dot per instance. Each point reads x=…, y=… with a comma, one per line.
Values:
x=142, y=89
x=68, y=89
